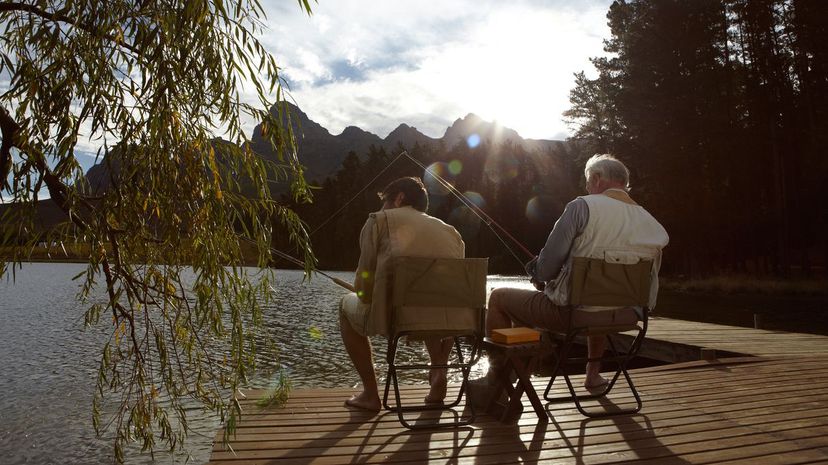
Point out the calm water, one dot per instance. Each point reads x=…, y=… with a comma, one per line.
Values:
x=48, y=360
x=49, y=363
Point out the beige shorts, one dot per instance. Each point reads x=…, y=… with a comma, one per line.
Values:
x=534, y=309
x=355, y=312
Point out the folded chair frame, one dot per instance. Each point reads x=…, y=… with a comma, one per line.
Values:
x=619, y=358
x=436, y=298
x=464, y=364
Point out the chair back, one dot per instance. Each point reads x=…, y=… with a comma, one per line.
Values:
x=438, y=295
x=600, y=282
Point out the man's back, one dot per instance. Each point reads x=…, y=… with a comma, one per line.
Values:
x=616, y=225
x=411, y=233
x=398, y=232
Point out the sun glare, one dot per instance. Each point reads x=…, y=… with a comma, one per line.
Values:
x=516, y=68
x=512, y=63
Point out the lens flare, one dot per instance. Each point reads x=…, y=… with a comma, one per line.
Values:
x=476, y=199
x=465, y=221
x=501, y=168
x=473, y=141
x=430, y=178
x=539, y=210
x=315, y=333
x=455, y=167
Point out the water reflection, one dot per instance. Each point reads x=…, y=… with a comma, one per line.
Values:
x=50, y=361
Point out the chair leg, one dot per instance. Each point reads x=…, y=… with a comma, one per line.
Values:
x=560, y=364
x=392, y=370
x=463, y=365
x=621, y=362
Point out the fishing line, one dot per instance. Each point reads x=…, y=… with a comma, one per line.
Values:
x=298, y=262
x=358, y=193
x=482, y=215
x=474, y=208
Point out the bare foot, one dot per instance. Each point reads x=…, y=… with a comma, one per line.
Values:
x=365, y=401
x=595, y=381
x=439, y=385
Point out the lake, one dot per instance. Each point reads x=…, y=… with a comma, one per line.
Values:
x=49, y=362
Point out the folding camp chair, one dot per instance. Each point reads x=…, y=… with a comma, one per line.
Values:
x=598, y=282
x=437, y=298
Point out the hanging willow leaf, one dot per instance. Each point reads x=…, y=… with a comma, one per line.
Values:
x=160, y=221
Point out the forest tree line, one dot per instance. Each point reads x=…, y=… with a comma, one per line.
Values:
x=719, y=108
x=523, y=191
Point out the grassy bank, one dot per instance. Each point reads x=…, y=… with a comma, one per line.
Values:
x=744, y=284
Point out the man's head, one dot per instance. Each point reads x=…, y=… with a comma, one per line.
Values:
x=403, y=192
x=604, y=172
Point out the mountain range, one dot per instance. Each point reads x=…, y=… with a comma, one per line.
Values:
x=322, y=153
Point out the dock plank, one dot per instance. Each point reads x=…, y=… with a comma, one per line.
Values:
x=769, y=405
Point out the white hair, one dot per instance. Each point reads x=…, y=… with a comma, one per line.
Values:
x=608, y=167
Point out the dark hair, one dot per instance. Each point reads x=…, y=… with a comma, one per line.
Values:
x=413, y=190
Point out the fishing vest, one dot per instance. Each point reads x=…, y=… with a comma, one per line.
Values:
x=397, y=232
x=617, y=232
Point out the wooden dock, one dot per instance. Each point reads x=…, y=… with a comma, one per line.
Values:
x=769, y=406
x=674, y=341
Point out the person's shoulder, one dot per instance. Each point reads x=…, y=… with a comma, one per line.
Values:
x=376, y=217
x=577, y=203
x=436, y=221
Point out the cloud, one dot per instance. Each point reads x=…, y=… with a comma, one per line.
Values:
x=378, y=64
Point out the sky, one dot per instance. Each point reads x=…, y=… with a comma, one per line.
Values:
x=377, y=64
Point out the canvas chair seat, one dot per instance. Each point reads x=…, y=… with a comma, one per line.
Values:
x=436, y=298
x=604, y=283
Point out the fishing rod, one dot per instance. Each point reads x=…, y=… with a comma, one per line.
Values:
x=296, y=261
x=479, y=212
x=474, y=208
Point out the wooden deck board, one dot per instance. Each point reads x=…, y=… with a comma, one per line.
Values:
x=768, y=407
x=749, y=341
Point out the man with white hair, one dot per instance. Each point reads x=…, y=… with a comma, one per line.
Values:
x=605, y=220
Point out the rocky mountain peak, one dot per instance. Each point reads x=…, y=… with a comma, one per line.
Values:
x=492, y=132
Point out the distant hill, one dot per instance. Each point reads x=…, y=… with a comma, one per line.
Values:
x=322, y=153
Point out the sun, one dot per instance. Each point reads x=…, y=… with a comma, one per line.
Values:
x=515, y=68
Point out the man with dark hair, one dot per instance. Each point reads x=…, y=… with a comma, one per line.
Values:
x=400, y=229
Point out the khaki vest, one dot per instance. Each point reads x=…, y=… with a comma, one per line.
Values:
x=391, y=233
x=617, y=232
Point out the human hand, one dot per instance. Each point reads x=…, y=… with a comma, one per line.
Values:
x=531, y=265
x=539, y=285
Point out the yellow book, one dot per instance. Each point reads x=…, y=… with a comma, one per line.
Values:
x=515, y=335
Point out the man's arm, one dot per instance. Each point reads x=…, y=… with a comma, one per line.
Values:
x=570, y=225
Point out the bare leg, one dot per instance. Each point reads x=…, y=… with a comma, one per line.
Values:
x=439, y=351
x=496, y=318
x=359, y=349
x=595, y=348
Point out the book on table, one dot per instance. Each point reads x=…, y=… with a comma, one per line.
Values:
x=520, y=335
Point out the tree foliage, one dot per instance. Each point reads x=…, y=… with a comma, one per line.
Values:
x=721, y=108
x=152, y=84
x=523, y=191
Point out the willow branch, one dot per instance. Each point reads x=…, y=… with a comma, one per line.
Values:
x=62, y=18
x=9, y=129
